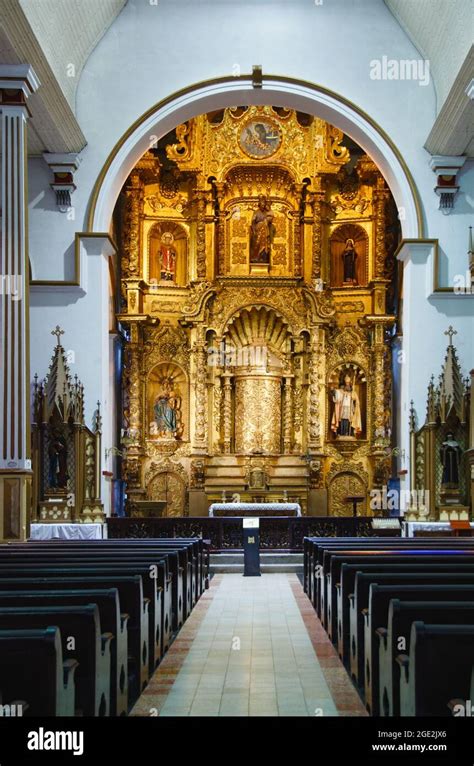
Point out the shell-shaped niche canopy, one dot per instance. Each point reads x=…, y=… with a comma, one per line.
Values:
x=259, y=336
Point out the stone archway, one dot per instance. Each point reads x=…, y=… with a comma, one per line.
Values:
x=276, y=90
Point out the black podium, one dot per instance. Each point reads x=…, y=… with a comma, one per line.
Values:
x=251, y=534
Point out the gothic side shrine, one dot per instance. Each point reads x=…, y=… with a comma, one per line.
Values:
x=259, y=299
x=66, y=454
x=441, y=449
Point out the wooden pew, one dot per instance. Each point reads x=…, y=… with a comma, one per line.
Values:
x=99, y=563
x=365, y=617
x=37, y=654
x=91, y=648
x=164, y=601
x=437, y=670
x=111, y=621
x=132, y=602
x=315, y=547
x=384, y=557
x=346, y=588
x=334, y=558
x=440, y=605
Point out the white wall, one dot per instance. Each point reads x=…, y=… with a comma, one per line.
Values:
x=442, y=32
x=151, y=51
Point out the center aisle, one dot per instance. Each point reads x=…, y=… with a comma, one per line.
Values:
x=252, y=646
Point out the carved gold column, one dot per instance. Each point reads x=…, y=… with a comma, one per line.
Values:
x=227, y=411
x=317, y=204
x=317, y=362
x=200, y=389
x=298, y=188
x=17, y=83
x=381, y=195
x=220, y=240
x=202, y=198
x=288, y=414
x=132, y=213
x=378, y=387
x=134, y=412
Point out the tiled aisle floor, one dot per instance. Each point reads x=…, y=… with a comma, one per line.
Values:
x=252, y=646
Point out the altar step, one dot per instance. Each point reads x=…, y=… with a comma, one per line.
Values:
x=226, y=563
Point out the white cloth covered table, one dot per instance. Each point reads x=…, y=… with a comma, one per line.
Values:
x=410, y=527
x=67, y=531
x=258, y=509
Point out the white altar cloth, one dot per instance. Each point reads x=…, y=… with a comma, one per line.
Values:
x=410, y=527
x=67, y=531
x=292, y=508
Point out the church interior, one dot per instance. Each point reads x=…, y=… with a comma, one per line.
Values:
x=236, y=313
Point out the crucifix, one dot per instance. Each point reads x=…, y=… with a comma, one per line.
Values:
x=57, y=332
x=450, y=332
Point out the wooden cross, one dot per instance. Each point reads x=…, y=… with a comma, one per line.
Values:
x=58, y=332
x=450, y=332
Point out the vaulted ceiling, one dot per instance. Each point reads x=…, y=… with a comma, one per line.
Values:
x=56, y=37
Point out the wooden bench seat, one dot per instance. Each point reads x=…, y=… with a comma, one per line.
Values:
x=333, y=561
x=364, y=616
x=132, y=601
x=440, y=605
x=90, y=648
x=111, y=621
x=437, y=669
x=346, y=587
x=37, y=654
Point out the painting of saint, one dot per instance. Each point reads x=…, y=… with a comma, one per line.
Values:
x=167, y=411
x=346, y=418
x=167, y=256
x=349, y=256
x=260, y=138
x=261, y=232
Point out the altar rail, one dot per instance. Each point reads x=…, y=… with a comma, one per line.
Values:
x=225, y=533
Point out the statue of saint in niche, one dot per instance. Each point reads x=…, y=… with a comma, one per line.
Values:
x=167, y=256
x=262, y=232
x=450, y=456
x=167, y=411
x=57, y=454
x=349, y=256
x=346, y=418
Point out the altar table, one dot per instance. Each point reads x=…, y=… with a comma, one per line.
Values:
x=255, y=509
x=410, y=528
x=67, y=531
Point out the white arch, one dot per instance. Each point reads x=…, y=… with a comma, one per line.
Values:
x=276, y=91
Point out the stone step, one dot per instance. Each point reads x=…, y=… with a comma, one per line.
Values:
x=264, y=569
x=265, y=558
x=226, y=563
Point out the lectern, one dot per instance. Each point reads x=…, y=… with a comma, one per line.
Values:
x=251, y=547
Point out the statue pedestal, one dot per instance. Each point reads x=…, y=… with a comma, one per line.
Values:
x=450, y=496
x=54, y=508
x=260, y=269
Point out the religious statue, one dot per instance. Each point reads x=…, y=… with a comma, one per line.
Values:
x=450, y=456
x=167, y=411
x=346, y=418
x=261, y=232
x=167, y=256
x=57, y=454
x=349, y=256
